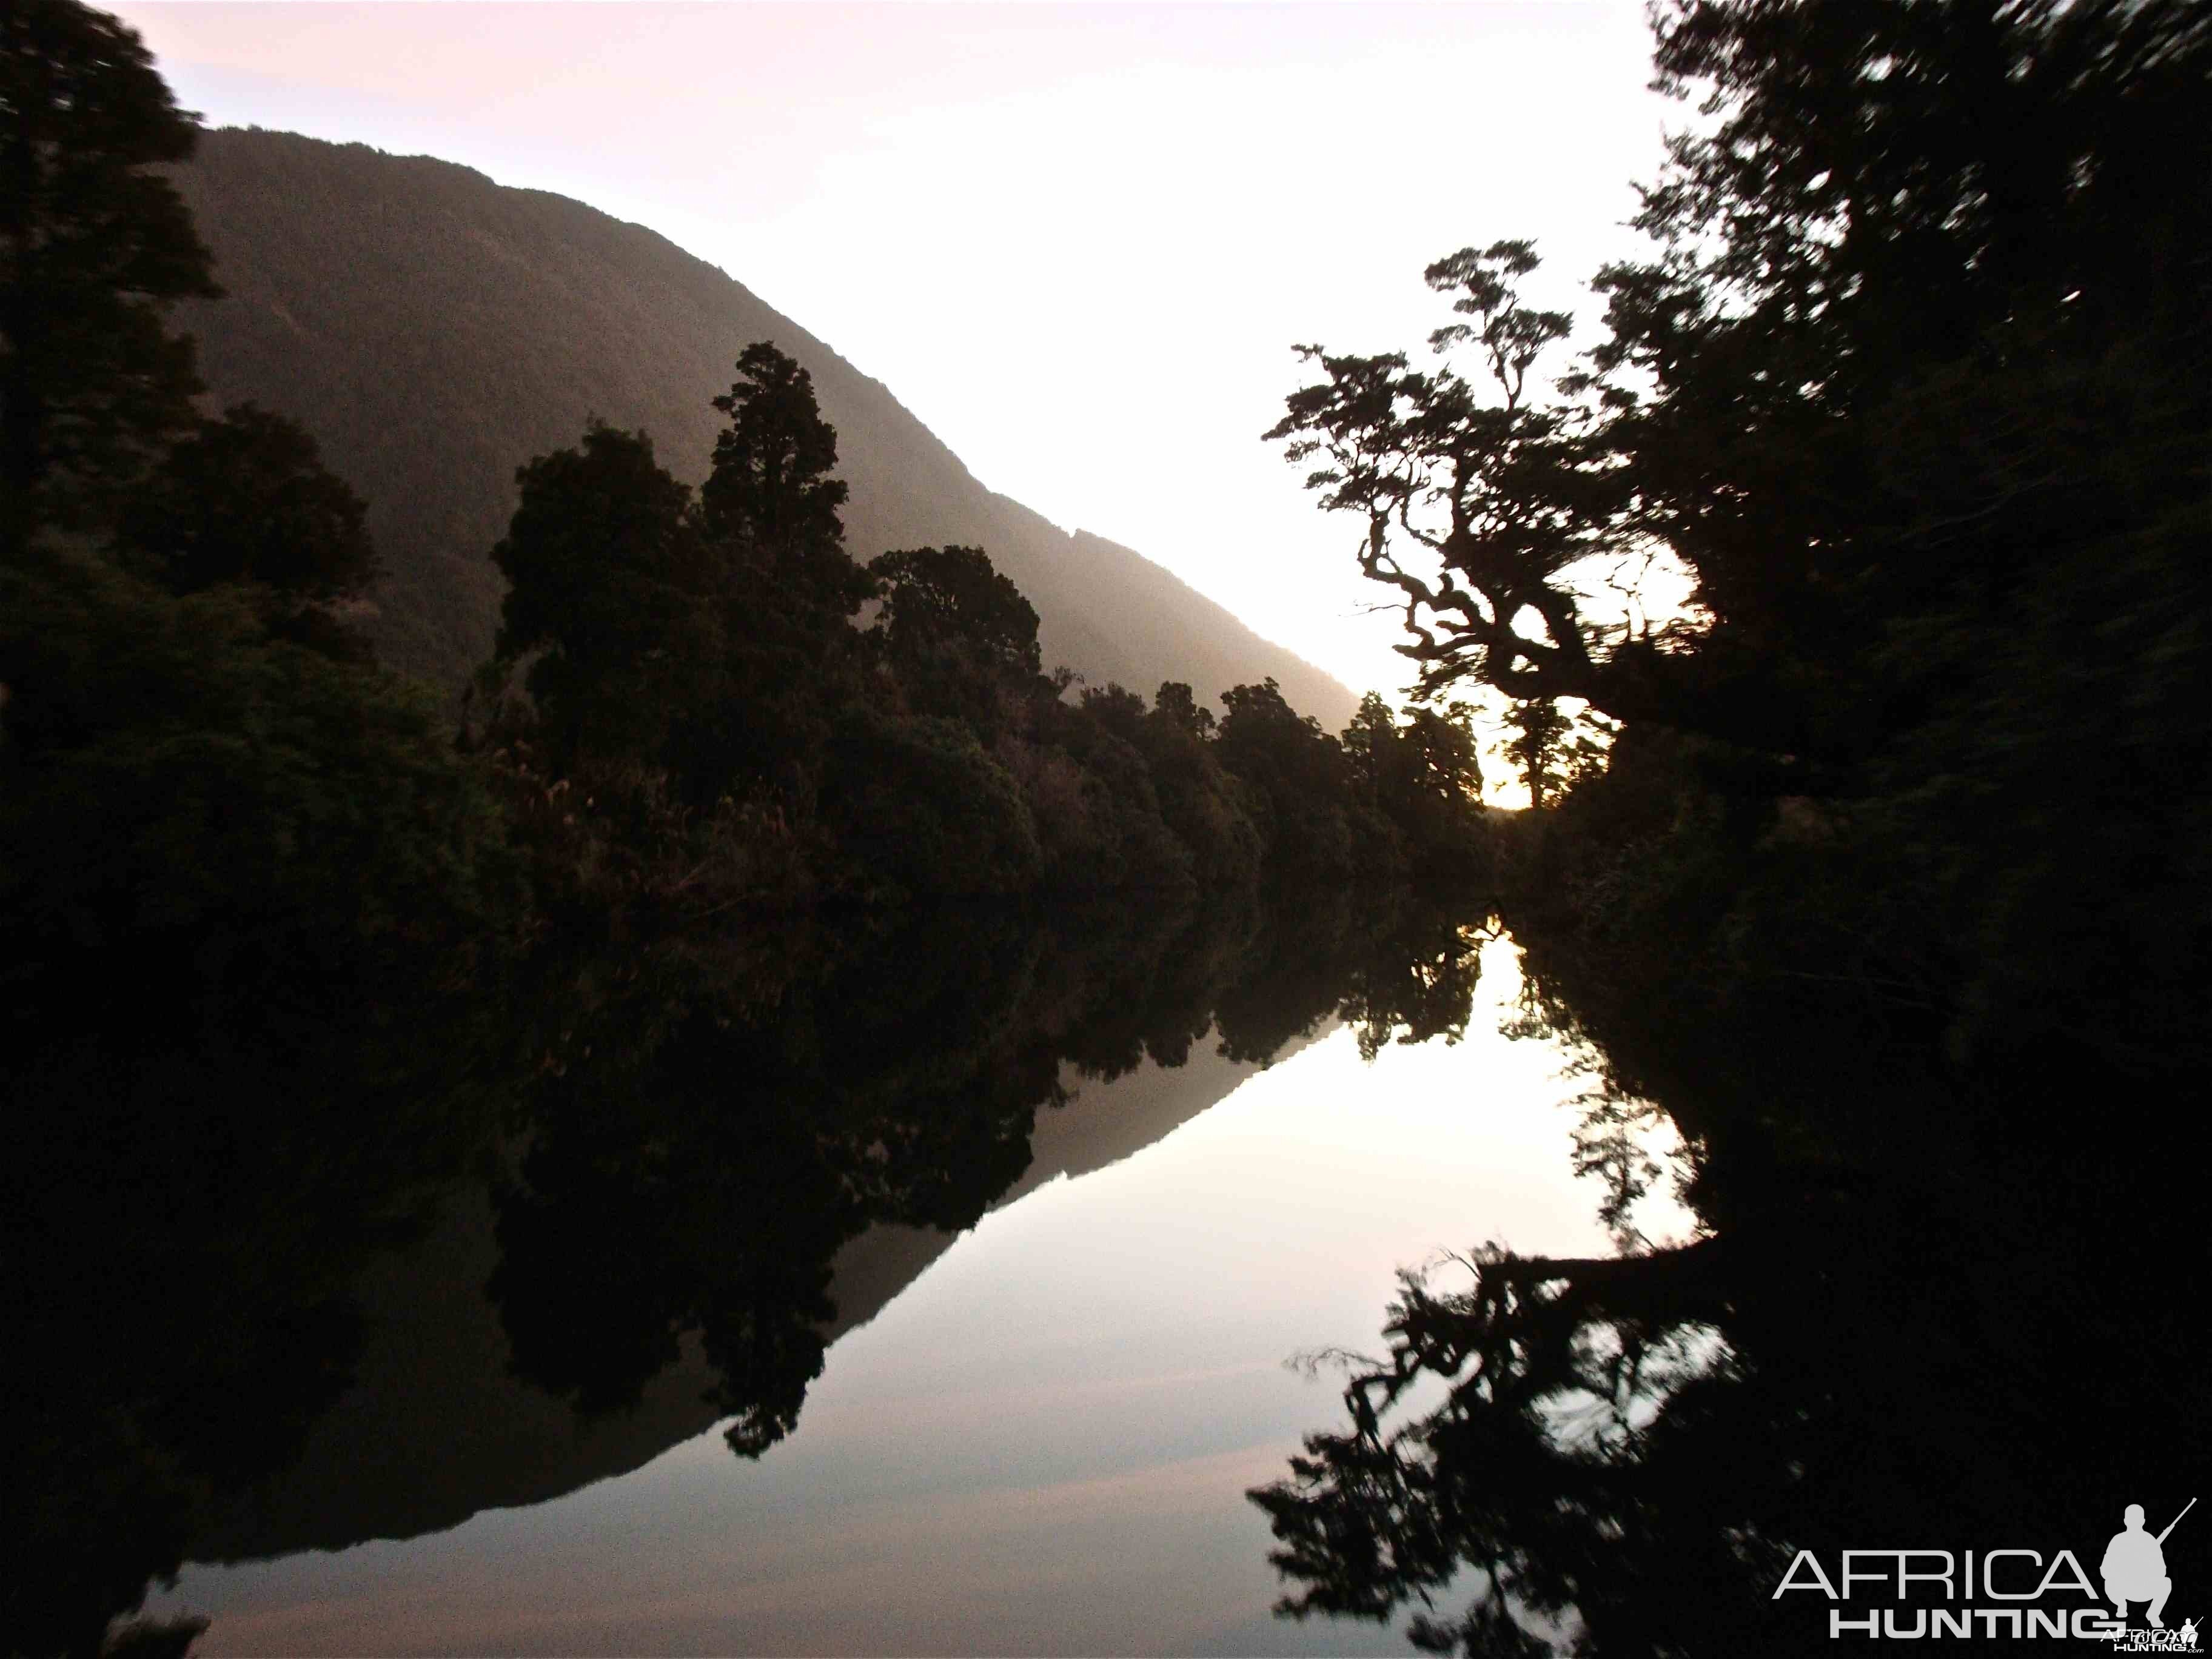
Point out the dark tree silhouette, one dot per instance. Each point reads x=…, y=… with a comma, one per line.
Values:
x=1297, y=768
x=1437, y=749
x=247, y=499
x=786, y=589
x=1422, y=777
x=1537, y=732
x=94, y=245
x=1176, y=703
x=1552, y=748
x=771, y=492
x=949, y=598
x=960, y=638
x=607, y=577
x=1500, y=496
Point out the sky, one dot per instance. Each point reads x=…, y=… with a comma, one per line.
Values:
x=1078, y=240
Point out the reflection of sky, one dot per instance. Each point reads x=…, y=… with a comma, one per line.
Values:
x=1042, y=1445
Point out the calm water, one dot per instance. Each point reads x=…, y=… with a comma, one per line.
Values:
x=1039, y=1441
x=924, y=1283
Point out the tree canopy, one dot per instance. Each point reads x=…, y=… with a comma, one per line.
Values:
x=771, y=489
x=726, y=727
x=606, y=577
x=939, y=599
x=95, y=246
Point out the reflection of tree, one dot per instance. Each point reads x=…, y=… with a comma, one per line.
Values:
x=1904, y=1305
x=1293, y=978
x=721, y=1230
x=1418, y=982
x=695, y=1125
x=698, y=1173
x=193, y=1183
x=697, y=1176
x=1574, y=1388
x=701, y=1144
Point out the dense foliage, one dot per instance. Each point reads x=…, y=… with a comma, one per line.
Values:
x=200, y=774
x=94, y=245
x=718, y=726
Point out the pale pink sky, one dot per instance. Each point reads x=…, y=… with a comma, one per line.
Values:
x=1078, y=240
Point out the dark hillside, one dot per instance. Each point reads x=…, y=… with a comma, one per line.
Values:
x=434, y=330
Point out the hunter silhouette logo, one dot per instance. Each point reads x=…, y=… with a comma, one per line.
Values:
x=2135, y=1566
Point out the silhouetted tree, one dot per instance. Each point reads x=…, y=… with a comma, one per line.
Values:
x=935, y=598
x=770, y=503
x=771, y=487
x=1441, y=753
x=176, y=783
x=920, y=808
x=959, y=637
x=1499, y=497
x=1537, y=743
x=1421, y=777
x=786, y=587
x=247, y=499
x=1095, y=792
x=1116, y=708
x=94, y=245
x=1369, y=743
x=1893, y=204
x=1176, y=704
x=1210, y=811
x=1297, y=768
x=1915, y=389
x=608, y=580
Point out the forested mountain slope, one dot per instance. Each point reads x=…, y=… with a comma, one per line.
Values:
x=434, y=330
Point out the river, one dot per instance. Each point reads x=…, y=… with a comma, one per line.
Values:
x=1038, y=1444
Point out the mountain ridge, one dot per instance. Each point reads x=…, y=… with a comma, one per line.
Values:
x=434, y=330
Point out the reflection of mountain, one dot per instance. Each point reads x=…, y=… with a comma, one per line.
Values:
x=268, y=1308
x=1107, y=1122
x=436, y=1427
x=435, y=330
